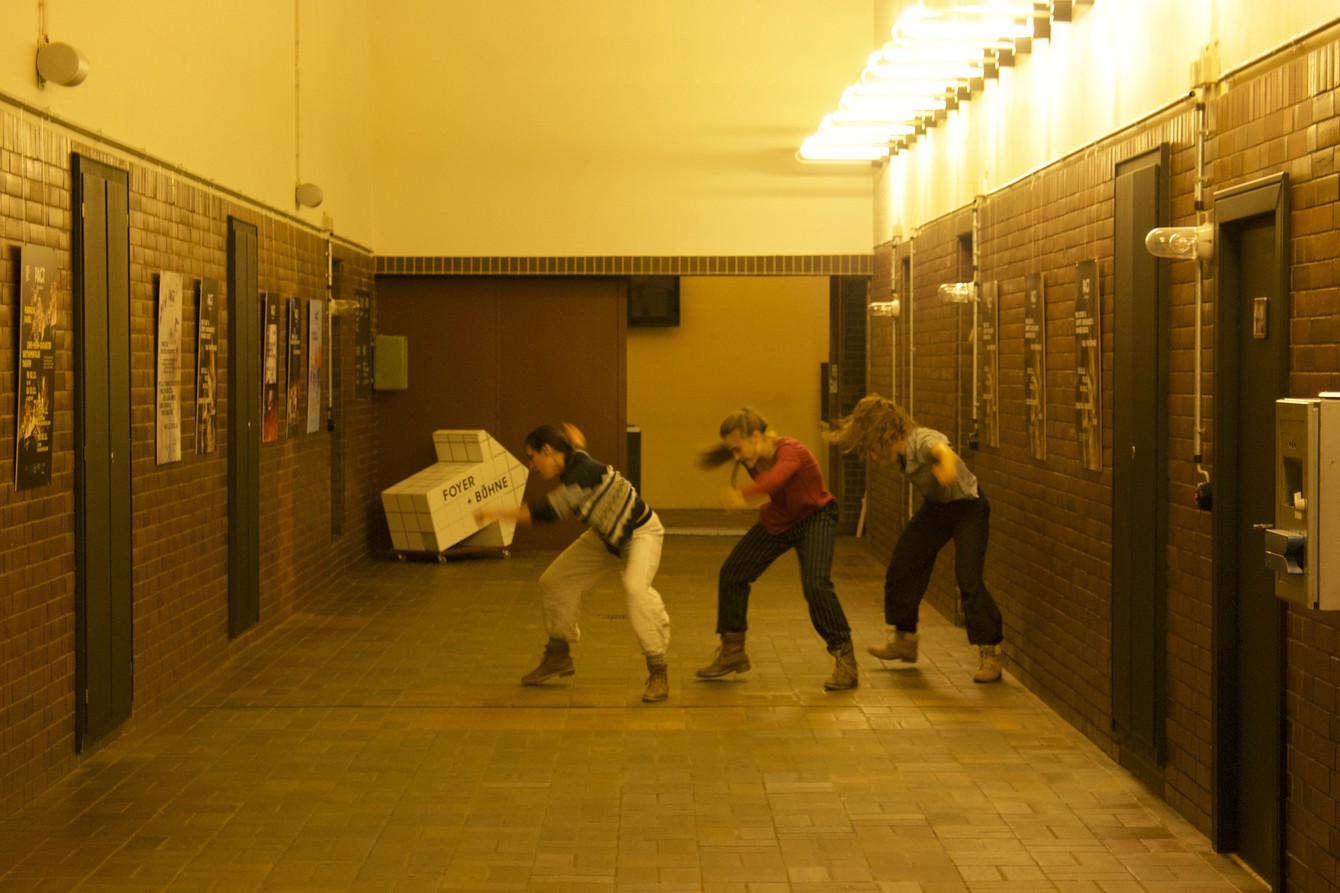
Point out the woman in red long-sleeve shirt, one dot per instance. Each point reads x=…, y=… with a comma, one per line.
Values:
x=800, y=514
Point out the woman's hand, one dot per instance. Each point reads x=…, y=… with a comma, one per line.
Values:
x=573, y=434
x=486, y=515
x=733, y=499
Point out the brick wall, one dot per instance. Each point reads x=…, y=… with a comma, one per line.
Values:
x=180, y=535
x=1049, y=564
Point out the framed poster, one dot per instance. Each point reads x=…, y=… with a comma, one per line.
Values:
x=167, y=381
x=315, y=333
x=1088, y=366
x=207, y=371
x=269, y=368
x=988, y=310
x=362, y=343
x=1035, y=365
x=294, y=382
x=37, y=366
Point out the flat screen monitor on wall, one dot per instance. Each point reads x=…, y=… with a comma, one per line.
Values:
x=653, y=301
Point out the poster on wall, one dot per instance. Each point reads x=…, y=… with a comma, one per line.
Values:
x=167, y=382
x=1035, y=365
x=37, y=366
x=207, y=363
x=294, y=380
x=315, y=331
x=270, y=370
x=1088, y=366
x=989, y=316
x=362, y=343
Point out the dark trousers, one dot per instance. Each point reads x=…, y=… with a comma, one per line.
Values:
x=967, y=523
x=813, y=540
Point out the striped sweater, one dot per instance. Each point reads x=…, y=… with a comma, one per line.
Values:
x=599, y=497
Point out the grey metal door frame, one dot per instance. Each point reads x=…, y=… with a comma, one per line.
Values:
x=1251, y=372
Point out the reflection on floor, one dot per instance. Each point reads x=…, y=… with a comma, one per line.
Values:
x=380, y=741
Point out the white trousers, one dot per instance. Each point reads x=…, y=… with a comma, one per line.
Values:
x=582, y=565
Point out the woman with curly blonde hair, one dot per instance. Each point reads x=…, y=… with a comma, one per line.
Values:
x=952, y=507
x=799, y=514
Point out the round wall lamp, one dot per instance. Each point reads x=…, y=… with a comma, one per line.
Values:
x=308, y=195
x=61, y=64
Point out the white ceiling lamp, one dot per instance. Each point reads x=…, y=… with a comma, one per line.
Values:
x=890, y=107
x=815, y=149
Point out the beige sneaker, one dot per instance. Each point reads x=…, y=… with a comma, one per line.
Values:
x=903, y=646
x=989, y=671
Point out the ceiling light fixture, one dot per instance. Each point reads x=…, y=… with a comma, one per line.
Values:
x=941, y=52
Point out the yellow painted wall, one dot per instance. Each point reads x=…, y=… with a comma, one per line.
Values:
x=725, y=354
x=250, y=94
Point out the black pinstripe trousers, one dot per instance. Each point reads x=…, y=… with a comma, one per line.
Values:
x=813, y=540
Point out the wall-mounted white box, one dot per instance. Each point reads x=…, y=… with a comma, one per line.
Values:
x=433, y=510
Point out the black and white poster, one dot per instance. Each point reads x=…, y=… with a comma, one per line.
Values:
x=988, y=309
x=1035, y=365
x=167, y=381
x=270, y=370
x=294, y=366
x=315, y=332
x=38, y=318
x=362, y=343
x=1088, y=366
x=207, y=367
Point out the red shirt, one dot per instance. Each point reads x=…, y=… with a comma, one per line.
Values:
x=794, y=486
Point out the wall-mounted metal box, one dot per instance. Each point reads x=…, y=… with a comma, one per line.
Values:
x=1303, y=546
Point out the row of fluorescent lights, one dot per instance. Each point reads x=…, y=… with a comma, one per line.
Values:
x=941, y=52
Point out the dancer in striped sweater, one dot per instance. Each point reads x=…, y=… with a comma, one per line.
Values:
x=622, y=531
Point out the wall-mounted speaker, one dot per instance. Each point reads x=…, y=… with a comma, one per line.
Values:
x=61, y=64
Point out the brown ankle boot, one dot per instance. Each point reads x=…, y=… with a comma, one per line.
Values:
x=729, y=658
x=903, y=646
x=658, y=684
x=844, y=671
x=556, y=662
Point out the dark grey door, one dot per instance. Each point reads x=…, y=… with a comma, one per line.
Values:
x=244, y=432
x=104, y=647
x=1139, y=460
x=1251, y=372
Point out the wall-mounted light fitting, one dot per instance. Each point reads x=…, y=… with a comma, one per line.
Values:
x=886, y=308
x=958, y=292
x=308, y=195
x=1181, y=242
x=61, y=64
